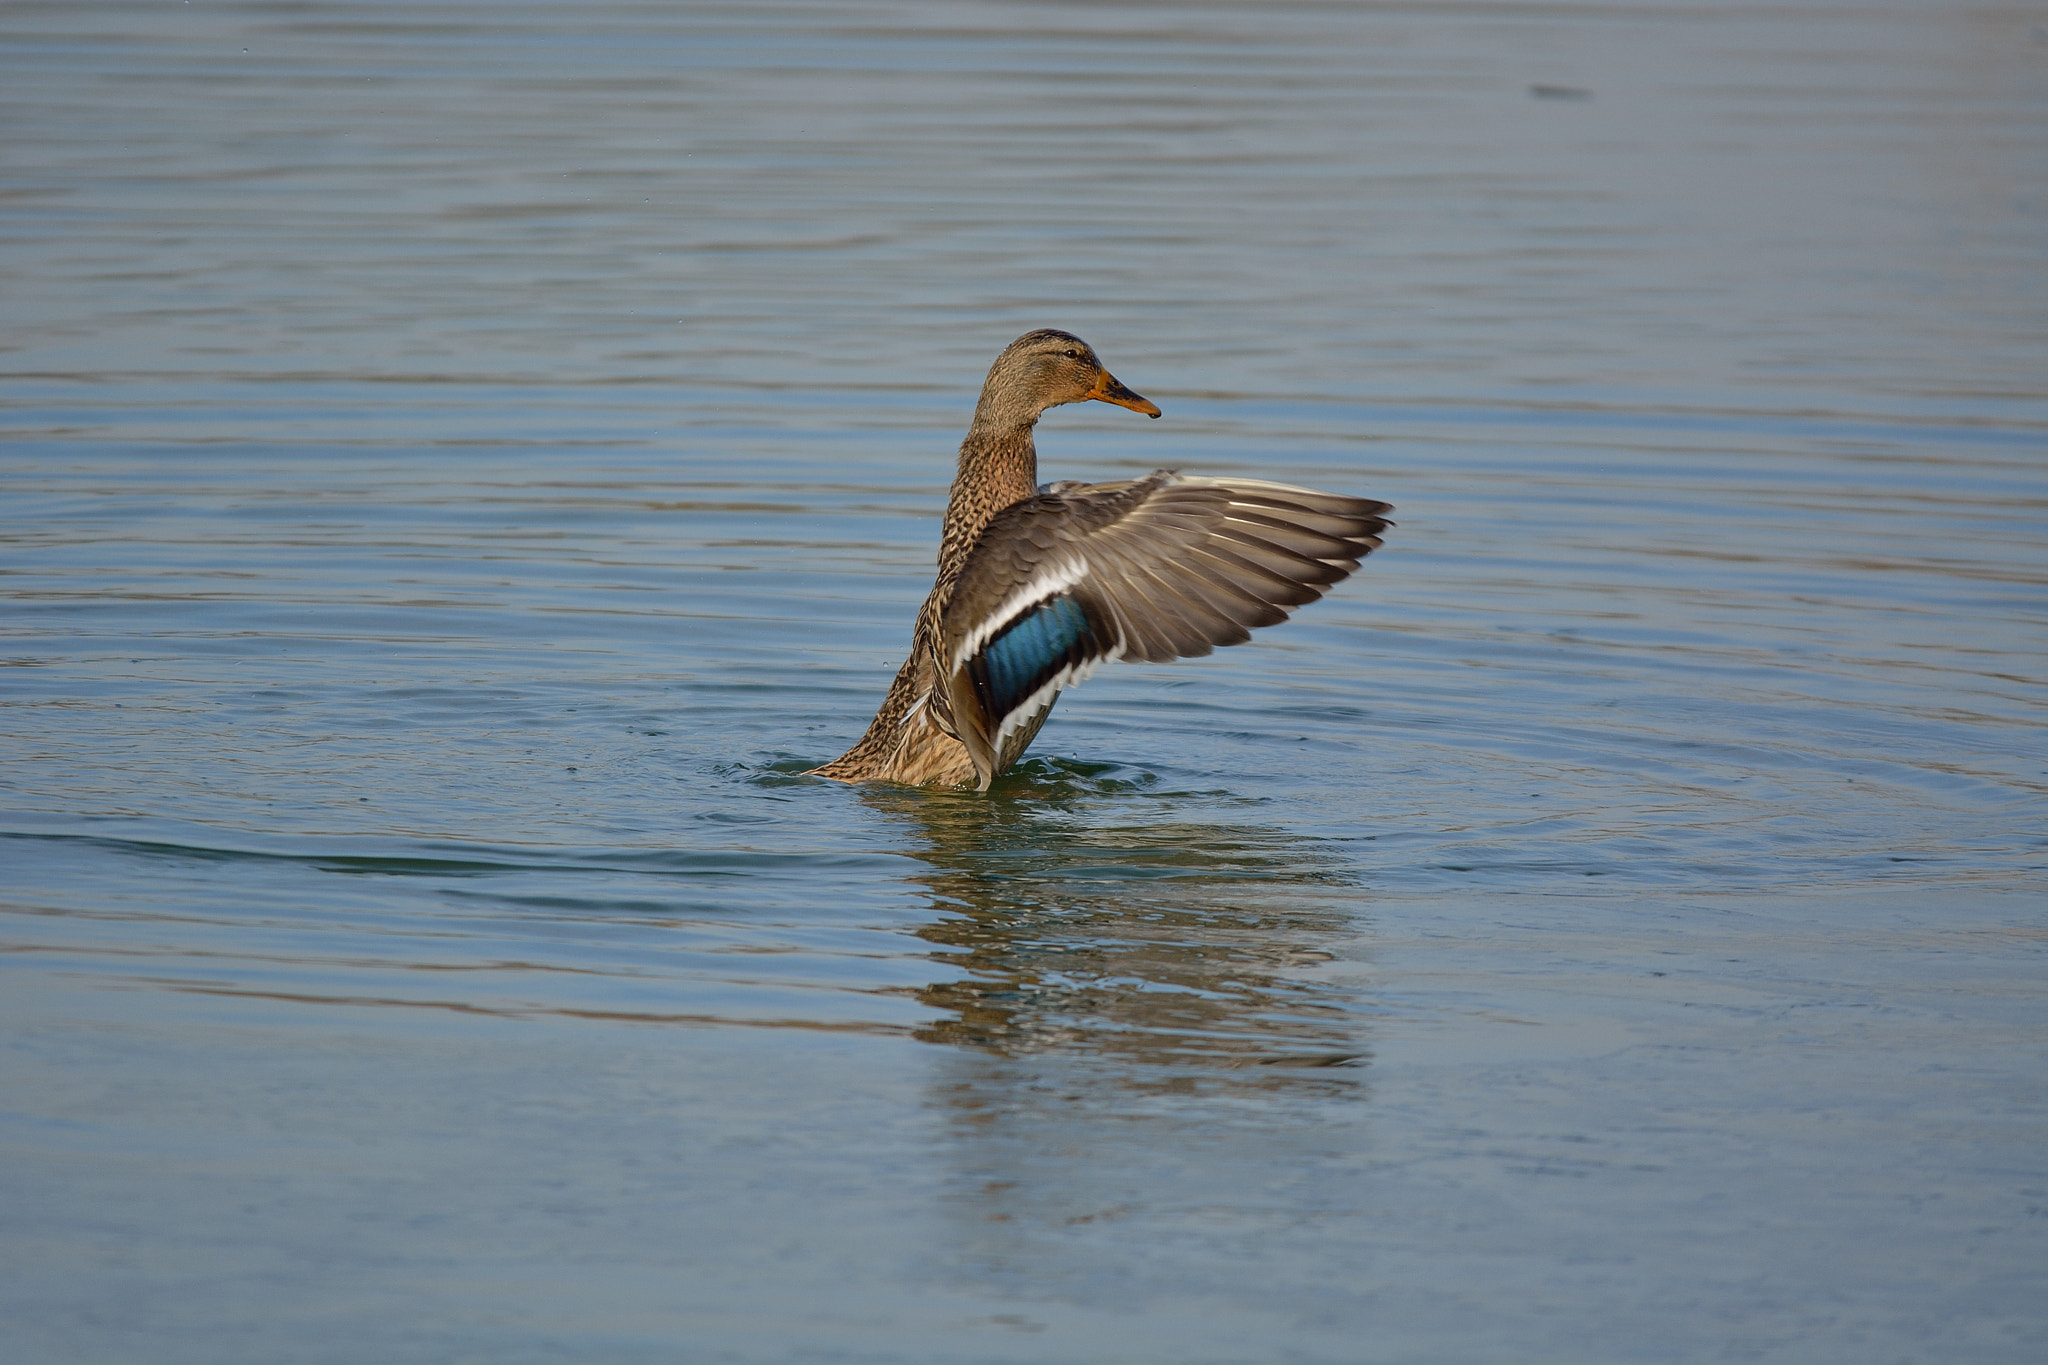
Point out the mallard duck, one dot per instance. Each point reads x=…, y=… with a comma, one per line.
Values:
x=1039, y=586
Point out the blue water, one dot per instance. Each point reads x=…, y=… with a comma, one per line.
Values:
x=460, y=463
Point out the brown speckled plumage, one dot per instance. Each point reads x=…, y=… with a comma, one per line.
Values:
x=1153, y=568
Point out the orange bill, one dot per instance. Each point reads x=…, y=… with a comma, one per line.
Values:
x=1108, y=390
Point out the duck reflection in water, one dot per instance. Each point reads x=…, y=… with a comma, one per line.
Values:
x=1186, y=954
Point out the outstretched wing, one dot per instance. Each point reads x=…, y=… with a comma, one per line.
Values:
x=1151, y=569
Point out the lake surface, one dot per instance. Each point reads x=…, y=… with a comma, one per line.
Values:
x=463, y=461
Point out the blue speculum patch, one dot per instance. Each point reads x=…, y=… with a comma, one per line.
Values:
x=1029, y=650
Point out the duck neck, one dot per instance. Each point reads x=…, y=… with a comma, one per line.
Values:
x=998, y=466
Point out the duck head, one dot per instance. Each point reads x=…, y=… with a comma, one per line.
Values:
x=1044, y=369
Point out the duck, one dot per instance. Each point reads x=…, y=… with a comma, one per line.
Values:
x=1040, y=585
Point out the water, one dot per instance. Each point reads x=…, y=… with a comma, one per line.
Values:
x=463, y=461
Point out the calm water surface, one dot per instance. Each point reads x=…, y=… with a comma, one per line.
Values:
x=462, y=461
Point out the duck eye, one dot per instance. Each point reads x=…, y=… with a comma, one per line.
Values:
x=1073, y=354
